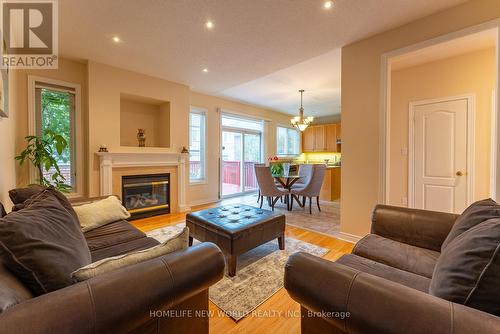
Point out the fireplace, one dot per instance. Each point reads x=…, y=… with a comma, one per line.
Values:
x=146, y=195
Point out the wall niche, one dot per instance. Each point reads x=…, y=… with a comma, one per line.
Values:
x=137, y=112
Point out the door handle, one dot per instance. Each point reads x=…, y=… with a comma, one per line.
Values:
x=459, y=173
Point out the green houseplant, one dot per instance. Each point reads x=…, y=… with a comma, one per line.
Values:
x=40, y=151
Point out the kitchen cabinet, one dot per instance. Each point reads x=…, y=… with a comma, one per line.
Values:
x=308, y=140
x=338, y=138
x=331, y=137
x=330, y=190
x=321, y=138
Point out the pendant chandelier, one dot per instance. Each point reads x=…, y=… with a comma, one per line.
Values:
x=301, y=122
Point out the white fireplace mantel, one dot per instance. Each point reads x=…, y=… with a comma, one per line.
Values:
x=110, y=160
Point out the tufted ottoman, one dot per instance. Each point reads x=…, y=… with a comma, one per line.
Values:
x=236, y=229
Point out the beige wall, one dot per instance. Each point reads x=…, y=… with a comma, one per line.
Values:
x=471, y=73
x=106, y=83
x=206, y=192
x=139, y=115
x=7, y=144
x=69, y=71
x=361, y=63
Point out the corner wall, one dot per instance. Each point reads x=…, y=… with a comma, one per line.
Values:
x=7, y=144
x=361, y=69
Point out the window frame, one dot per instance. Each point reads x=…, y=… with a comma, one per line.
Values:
x=78, y=156
x=299, y=151
x=203, y=144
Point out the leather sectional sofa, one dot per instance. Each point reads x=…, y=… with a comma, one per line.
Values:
x=168, y=294
x=383, y=286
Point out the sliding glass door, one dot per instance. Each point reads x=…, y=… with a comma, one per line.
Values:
x=241, y=150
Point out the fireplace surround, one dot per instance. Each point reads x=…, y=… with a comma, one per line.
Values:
x=141, y=161
x=146, y=195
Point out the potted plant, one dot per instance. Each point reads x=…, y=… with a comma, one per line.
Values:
x=40, y=151
x=275, y=165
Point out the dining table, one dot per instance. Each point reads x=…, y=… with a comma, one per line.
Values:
x=287, y=181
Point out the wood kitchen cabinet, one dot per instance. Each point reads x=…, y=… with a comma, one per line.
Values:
x=331, y=137
x=338, y=138
x=330, y=190
x=308, y=140
x=321, y=138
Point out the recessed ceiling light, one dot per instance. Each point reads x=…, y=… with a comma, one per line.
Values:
x=328, y=4
x=116, y=39
x=205, y=70
x=209, y=24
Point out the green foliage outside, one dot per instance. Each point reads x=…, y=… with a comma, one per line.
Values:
x=56, y=109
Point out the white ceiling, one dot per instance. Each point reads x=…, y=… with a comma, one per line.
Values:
x=259, y=51
x=319, y=76
x=470, y=43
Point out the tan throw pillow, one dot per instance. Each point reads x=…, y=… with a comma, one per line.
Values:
x=100, y=213
x=178, y=242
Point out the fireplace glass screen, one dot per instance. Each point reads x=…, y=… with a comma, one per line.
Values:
x=146, y=195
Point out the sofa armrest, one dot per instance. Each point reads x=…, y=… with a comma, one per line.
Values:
x=122, y=300
x=373, y=304
x=421, y=228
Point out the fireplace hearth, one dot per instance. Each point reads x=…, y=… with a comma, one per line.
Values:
x=146, y=195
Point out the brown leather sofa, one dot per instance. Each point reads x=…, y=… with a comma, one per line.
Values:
x=382, y=287
x=168, y=294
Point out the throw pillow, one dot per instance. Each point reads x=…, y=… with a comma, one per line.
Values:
x=173, y=244
x=43, y=244
x=475, y=214
x=19, y=195
x=100, y=213
x=468, y=270
x=2, y=211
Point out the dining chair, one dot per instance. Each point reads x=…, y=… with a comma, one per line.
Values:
x=305, y=173
x=258, y=165
x=310, y=190
x=268, y=188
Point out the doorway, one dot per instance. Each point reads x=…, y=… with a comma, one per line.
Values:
x=241, y=149
x=463, y=63
x=441, y=154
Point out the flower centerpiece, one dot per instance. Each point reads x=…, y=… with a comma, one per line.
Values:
x=275, y=165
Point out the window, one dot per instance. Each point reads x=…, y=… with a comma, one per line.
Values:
x=197, y=138
x=55, y=108
x=288, y=141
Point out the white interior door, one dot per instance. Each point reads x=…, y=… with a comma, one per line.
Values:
x=440, y=160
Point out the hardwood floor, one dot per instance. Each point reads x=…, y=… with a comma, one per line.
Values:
x=278, y=314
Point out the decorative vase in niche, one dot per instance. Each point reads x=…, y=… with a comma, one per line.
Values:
x=141, y=137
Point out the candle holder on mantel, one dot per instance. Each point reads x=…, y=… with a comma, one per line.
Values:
x=141, y=137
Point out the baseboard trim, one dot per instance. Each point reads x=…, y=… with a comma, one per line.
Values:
x=204, y=201
x=348, y=237
x=184, y=208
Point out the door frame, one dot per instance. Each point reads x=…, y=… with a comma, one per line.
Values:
x=471, y=112
x=385, y=104
x=243, y=132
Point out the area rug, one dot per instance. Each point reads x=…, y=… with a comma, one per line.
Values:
x=259, y=273
x=326, y=222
